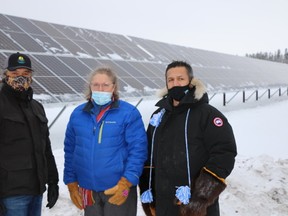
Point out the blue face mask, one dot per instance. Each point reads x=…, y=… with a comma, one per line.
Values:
x=101, y=98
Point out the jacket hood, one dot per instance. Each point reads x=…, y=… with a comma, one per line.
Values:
x=200, y=89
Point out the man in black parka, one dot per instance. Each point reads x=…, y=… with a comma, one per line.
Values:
x=27, y=163
x=191, y=144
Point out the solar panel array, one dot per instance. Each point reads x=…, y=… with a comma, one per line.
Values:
x=62, y=56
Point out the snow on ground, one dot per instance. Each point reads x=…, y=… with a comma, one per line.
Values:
x=258, y=183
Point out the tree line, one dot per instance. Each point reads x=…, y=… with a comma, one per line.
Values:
x=276, y=56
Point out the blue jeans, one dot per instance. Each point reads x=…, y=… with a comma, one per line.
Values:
x=25, y=205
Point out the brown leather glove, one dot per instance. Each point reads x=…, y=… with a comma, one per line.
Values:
x=75, y=195
x=207, y=189
x=120, y=192
x=149, y=209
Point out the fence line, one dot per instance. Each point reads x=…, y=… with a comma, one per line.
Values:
x=247, y=95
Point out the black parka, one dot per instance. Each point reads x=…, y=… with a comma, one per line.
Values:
x=211, y=144
x=27, y=163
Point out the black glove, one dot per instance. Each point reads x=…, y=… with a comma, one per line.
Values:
x=207, y=189
x=53, y=194
x=2, y=209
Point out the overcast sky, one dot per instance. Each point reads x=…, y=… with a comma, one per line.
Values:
x=228, y=26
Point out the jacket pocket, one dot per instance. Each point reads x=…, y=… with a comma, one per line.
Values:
x=43, y=119
x=16, y=164
x=13, y=128
x=16, y=174
x=13, y=119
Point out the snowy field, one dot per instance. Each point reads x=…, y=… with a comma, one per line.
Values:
x=258, y=183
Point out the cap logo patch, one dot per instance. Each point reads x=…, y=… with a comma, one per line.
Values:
x=218, y=122
x=21, y=60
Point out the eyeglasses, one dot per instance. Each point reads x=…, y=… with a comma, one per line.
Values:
x=102, y=86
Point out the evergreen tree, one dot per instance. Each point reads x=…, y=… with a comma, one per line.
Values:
x=277, y=56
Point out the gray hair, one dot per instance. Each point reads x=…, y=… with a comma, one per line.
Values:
x=102, y=70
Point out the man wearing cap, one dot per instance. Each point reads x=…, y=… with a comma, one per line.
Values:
x=27, y=163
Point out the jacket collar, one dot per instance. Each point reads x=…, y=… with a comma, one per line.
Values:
x=90, y=106
x=20, y=96
x=197, y=95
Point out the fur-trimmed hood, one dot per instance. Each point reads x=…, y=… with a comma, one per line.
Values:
x=196, y=96
x=200, y=89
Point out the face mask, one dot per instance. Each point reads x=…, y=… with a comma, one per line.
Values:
x=178, y=92
x=101, y=98
x=19, y=83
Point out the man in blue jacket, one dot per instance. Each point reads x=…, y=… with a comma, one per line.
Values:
x=105, y=149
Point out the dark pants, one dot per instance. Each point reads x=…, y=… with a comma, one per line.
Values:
x=102, y=207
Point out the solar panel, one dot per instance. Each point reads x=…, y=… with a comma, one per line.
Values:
x=3, y=60
x=90, y=62
x=76, y=65
x=7, y=25
x=68, y=32
x=54, y=85
x=48, y=29
x=39, y=68
x=26, y=42
x=70, y=47
x=6, y=43
x=49, y=44
x=26, y=25
x=37, y=87
x=92, y=49
x=62, y=57
x=56, y=66
x=77, y=84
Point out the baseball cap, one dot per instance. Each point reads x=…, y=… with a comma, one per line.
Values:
x=18, y=60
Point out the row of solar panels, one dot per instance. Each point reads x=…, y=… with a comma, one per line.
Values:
x=62, y=56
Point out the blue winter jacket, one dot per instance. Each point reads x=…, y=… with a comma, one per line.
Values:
x=98, y=154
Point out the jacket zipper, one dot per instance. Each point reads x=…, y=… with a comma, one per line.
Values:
x=100, y=133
